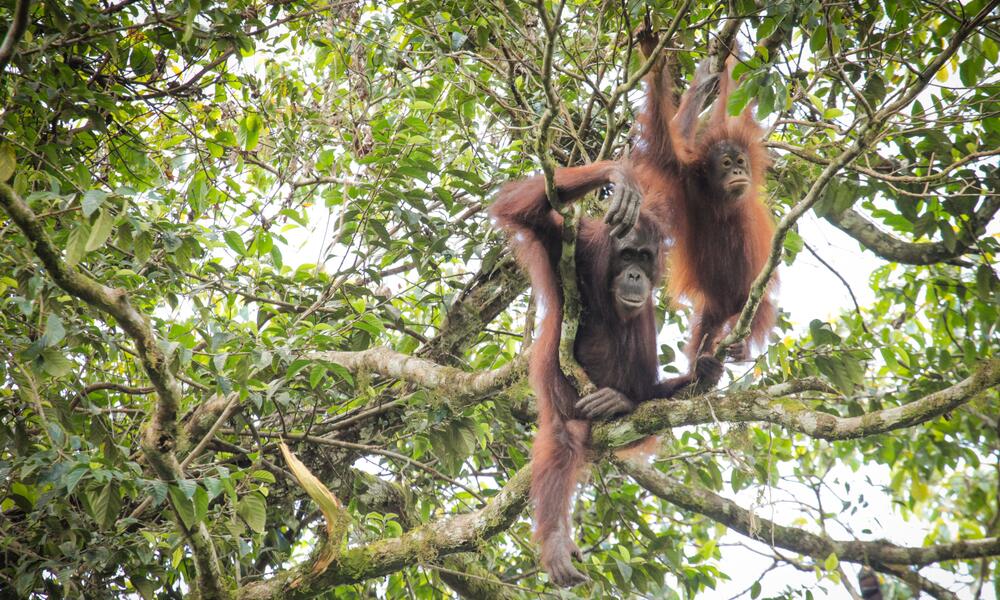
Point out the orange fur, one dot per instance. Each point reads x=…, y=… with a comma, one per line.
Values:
x=717, y=250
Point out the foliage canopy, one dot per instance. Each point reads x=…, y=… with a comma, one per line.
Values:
x=235, y=223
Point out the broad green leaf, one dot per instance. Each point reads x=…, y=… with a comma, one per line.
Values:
x=141, y=60
x=8, y=161
x=92, y=200
x=106, y=505
x=55, y=362
x=831, y=563
x=54, y=330
x=183, y=505
x=200, y=503
x=234, y=241
x=253, y=509
x=254, y=125
x=266, y=476
x=100, y=231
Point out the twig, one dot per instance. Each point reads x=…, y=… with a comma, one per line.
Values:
x=857, y=307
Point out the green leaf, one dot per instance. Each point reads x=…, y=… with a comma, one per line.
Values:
x=141, y=60
x=831, y=562
x=948, y=236
x=142, y=247
x=100, y=231
x=990, y=50
x=316, y=375
x=818, y=39
x=106, y=505
x=54, y=330
x=340, y=371
x=739, y=98
x=187, y=487
x=92, y=200
x=183, y=505
x=793, y=245
x=200, y=502
x=254, y=125
x=8, y=161
x=74, y=477
x=252, y=508
x=261, y=475
x=55, y=363
x=234, y=241
x=765, y=101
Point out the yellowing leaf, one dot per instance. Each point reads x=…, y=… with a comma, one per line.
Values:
x=333, y=511
x=8, y=160
x=831, y=562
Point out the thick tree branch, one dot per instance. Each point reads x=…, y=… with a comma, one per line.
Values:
x=761, y=405
x=890, y=247
x=461, y=533
x=918, y=582
x=472, y=581
x=739, y=519
x=426, y=373
x=724, y=44
x=897, y=250
x=161, y=437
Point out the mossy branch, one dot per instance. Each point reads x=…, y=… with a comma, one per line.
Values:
x=425, y=373
x=465, y=532
x=737, y=518
x=765, y=405
x=424, y=544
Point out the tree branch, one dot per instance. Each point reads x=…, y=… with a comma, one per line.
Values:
x=425, y=373
x=761, y=405
x=490, y=292
x=918, y=582
x=461, y=533
x=892, y=248
x=741, y=520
